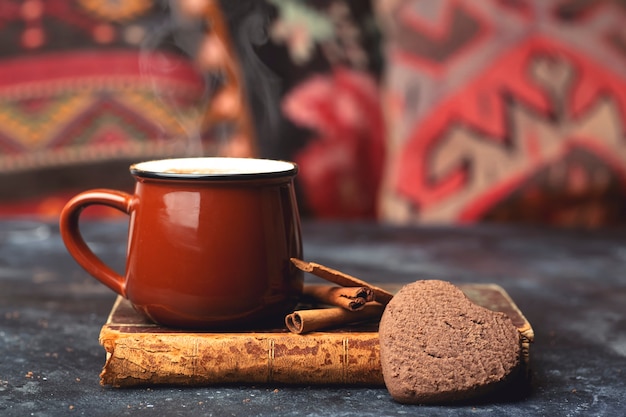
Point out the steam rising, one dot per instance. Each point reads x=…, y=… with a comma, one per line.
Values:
x=248, y=21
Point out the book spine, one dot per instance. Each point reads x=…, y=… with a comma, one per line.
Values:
x=199, y=359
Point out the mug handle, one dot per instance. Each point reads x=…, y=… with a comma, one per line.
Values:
x=76, y=246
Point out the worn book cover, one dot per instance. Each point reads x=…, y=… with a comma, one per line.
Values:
x=140, y=352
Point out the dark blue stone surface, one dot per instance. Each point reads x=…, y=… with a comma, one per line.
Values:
x=571, y=285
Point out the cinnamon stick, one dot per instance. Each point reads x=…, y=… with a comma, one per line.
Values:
x=350, y=298
x=342, y=279
x=305, y=321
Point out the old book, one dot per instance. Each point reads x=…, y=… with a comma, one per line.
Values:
x=142, y=353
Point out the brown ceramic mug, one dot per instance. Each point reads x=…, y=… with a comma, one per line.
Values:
x=210, y=241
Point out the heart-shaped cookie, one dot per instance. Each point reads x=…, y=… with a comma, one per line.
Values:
x=437, y=346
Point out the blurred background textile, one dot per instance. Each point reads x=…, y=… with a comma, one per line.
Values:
x=505, y=111
x=79, y=101
x=407, y=111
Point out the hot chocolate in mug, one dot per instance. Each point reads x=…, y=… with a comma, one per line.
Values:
x=209, y=244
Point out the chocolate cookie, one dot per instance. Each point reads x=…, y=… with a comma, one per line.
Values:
x=437, y=346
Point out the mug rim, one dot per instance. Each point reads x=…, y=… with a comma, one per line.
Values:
x=224, y=168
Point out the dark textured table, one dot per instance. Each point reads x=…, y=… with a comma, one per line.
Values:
x=571, y=285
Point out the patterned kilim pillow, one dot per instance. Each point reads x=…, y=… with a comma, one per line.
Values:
x=505, y=111
x=86, y=88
